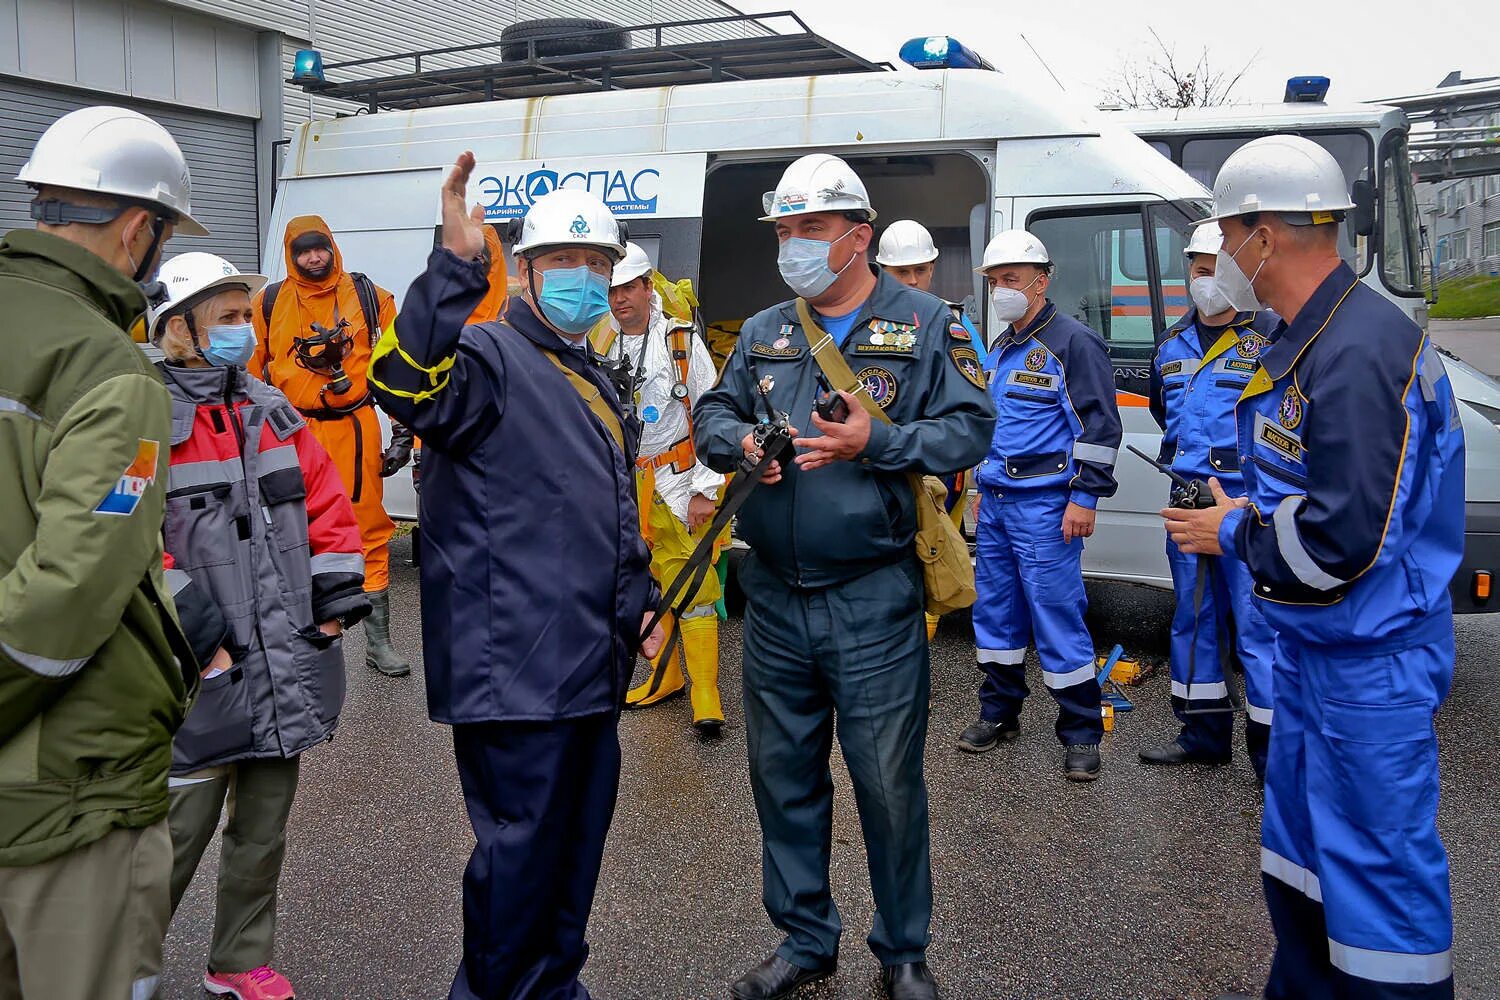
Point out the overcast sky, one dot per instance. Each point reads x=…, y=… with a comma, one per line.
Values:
x=1370, y=49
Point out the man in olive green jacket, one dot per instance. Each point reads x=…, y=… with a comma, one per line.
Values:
x=95, y=671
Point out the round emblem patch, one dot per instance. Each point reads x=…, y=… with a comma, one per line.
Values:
x=1037, y=359
x=650, y=415
x=1290, y=411
x=1250, y=345
x=879, y=384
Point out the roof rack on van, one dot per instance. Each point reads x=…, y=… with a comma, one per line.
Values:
x=763, y=56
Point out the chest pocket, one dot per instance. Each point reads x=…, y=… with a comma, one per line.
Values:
x=1037, y=388
x=283, y=495
x=1279, y=453
x=1233, y=372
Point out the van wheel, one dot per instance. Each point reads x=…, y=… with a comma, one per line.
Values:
x=557, y=38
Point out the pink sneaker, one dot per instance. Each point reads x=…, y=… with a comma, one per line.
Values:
x=264, y=983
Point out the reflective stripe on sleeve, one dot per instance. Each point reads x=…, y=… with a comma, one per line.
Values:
x=1096, y=453
x=1290, y=546
x=338, y=562
x=275, y=459
x=46, y=666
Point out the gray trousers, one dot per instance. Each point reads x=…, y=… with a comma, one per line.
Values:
x=258, y=796
x=87, y=925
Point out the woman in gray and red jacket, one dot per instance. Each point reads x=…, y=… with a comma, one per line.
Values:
x=258, y=523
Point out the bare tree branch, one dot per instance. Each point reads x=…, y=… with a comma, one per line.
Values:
x=1160, y=80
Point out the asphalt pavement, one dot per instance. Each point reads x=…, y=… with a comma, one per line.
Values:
x=1143, y=885
x=1477, y=341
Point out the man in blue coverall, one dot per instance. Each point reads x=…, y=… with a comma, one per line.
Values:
x=1051, y=461
x=1353, y=457
x=535, y=580
x=833, y=623
x=1201, y=367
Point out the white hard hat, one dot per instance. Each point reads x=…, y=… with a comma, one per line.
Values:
x=117, y=152
x=191, y=276
x=1013, y=246
x=634, y=264
x=1207, y=238
x=571, y=217
x=818, y=182
x=905, y=243
x=1284, y=174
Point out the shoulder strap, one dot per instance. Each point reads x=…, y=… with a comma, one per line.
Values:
x=369, y=304
x=826, y=353
x=591, y=396
x=680, y=348
x=268, y=302
x=602, y=337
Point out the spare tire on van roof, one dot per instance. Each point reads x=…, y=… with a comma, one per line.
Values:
x=559, y=36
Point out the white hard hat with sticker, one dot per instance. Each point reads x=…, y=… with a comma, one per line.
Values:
x=818, y=182
x=571, y=217
x=194, y=275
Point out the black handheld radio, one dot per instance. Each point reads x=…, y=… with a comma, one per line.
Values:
x=1189, y=494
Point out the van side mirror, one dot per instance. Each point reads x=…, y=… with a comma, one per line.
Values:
x=1362, y=215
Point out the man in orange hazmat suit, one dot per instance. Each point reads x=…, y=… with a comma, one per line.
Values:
x=314, y=332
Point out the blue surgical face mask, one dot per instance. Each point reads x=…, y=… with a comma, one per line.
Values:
x=573, y=299
x=229, y=346
x=804, y=265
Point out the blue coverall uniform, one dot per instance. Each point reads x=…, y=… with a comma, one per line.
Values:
x=1353, y=456
x=1196, y=379
x=833, y=624
x=1056, y=440
x=534, y=584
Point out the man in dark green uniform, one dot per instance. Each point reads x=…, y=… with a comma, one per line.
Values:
x=834, y=622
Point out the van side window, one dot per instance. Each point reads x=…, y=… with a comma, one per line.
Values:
x=1109, y=276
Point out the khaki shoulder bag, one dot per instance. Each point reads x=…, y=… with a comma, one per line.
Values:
x=947, y=572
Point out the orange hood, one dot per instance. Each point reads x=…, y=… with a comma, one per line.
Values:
x=301, y=226
x=493, y=303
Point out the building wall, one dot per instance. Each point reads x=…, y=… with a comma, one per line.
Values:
x=1457, y=235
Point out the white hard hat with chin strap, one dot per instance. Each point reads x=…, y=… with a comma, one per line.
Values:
x=634, y=264
x=905, y=244
x=111, y=151
x=191, y=278
x=1293, y=177
x=818, y=182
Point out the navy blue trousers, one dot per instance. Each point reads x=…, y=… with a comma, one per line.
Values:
x=851, y=657
x=540, y=796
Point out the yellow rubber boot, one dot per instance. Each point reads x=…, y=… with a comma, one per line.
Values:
x=932, y=624
x=671, y=681
x=700, y=643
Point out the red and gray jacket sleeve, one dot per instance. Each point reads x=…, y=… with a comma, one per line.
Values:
x=202, y=621
x=338, y=562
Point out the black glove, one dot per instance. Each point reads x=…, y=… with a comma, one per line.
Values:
x=398, y=453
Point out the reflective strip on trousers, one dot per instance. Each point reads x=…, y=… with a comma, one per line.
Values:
x=1008, y=657
x=1201, y=691
x=1294, y=875
x=1083, y=673
x=1258, y=714
x=1390, y=966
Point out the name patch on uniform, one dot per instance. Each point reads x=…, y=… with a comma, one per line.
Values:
x=1236, y=365
x=879, y=384
x=1032, y=380
x=1250, y=345
x=966, y=360
x=1279, y=440
x=772, y=351
x=1290, y=410
x=1171, y=369
x=122, y=500
x=1037, y=359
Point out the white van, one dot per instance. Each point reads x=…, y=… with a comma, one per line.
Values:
x=967, y=152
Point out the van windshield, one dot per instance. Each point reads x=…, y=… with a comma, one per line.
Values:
x=1110, y=276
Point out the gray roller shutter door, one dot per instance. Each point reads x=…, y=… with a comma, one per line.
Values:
x=220, y=151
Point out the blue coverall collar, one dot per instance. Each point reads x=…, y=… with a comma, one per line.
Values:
x=1013, y=336
x=1290, y=339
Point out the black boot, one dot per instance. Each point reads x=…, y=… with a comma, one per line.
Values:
x=776, y=977
x=1173, y=754
x=379, y=653
x=909, y=981
x=985, y=735
x=1081, y=762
